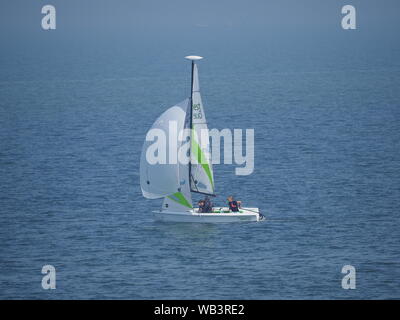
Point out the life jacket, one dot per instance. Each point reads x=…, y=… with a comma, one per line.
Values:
x=207, y=206
x=201, y=207
x=233, y=205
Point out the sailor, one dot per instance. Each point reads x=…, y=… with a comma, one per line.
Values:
x=207, y=205
x=201, y=206
x=233, y=204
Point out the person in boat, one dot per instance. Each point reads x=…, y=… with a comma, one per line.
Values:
x=207, y=205
x=201, y=206
x=233, y=204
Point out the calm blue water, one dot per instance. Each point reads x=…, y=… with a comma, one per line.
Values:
x=326, y=114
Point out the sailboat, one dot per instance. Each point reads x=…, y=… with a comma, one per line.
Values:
x=176, y=181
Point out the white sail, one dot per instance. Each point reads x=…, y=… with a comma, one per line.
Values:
x=180, y=201
x=202, y=177
x=158, y=180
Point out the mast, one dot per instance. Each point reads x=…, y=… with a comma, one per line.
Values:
x=191, y=124
x=191, y=98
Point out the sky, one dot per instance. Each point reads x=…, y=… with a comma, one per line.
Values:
x=147, y=29
x=143, y=17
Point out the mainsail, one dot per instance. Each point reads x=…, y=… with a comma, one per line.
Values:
x=201, y=171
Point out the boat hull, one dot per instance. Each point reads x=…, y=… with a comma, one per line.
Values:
x=246, y=215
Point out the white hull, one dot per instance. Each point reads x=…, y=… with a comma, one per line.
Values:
x=246, y=215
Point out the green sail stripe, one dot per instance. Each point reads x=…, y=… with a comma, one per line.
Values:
x=201, y=159
x=180, y=199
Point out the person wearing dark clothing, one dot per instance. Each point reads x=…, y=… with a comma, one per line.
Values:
x=207, y=205
x=233, y=205
x=201, y=206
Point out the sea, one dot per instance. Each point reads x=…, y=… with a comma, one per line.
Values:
x=325, y=109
